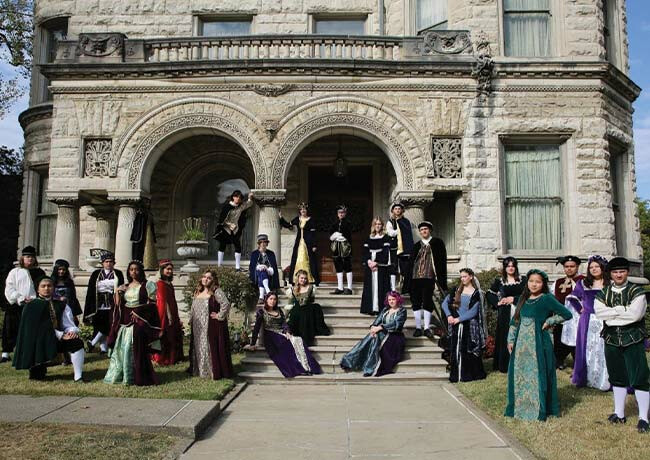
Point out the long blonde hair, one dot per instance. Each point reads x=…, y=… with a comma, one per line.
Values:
x=372, y=226
x=296, y=276
x=215, y=283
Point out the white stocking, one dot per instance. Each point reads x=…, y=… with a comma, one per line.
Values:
x=261, y=292
x=77, y=359
x=219, y=258
x=237, y=260
x=103, y=347
x=339, y=280
x=620, y=393
x=5, y=354
x=266, y=285
x=98, y=338
x=427, y=319
x=643, y=400
x=393, y=282
x=349, y=274
x=418, y=319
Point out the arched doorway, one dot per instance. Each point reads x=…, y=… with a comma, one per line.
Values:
x=194, y=177
x=365, y=187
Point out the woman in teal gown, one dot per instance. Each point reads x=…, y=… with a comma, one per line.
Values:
x=532, y=384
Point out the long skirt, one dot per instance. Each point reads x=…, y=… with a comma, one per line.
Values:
x=307, y=321
x=290, y=355
x=10, y=327
x=376, y=355
x=171, y=346
x=590, y=368
x=465, y=365
x=501, y=355
x=130, y=363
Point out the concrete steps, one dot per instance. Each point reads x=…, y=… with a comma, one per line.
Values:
x=422, y=357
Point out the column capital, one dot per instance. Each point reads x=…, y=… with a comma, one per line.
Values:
x=63, y=197
x=414, y=198
x=270, y=197
x=127, y=197
x=102, y=211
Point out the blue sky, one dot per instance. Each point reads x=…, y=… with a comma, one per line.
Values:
x=638, y=14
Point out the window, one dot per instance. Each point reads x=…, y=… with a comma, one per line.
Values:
x=617, y=171
x=340, y=26
x=533, y=201
x=430, y=14
x=526, y=27
x=610, y=14
x=45, y=220
x=50, y=33
x=224, y=27
x=442, y=211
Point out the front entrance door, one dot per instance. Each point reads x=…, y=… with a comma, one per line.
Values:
x=326, y=192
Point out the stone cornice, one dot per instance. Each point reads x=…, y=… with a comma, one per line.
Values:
x=270, y=197
x=35, y=113
x=63, y=197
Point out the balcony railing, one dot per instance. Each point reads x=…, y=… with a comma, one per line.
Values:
x=113, y=47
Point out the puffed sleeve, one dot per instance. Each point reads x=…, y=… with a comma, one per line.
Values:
x=224, y=305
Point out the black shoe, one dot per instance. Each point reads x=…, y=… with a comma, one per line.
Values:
x=90, y=346
x=347, y=291
x=5, y=359
x=642, y=427
x=82, y=380
x=615, y=419
x=428, y=333
x=337, y=292
x=417, y=333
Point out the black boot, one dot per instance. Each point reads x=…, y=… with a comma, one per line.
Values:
x=615, y=419
x=642, y=427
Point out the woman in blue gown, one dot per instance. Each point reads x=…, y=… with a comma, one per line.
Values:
x=380, y=351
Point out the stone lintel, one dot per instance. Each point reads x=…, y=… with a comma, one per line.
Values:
x=128, y=197
x=270, y=197
x=63, y=197
x=415, y=198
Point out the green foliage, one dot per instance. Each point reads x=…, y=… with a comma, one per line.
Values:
x=643, y=207
x=236, y=285
x=194, y=229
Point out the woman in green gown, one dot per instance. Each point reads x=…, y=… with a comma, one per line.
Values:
x=532, y=385
x=306, y=318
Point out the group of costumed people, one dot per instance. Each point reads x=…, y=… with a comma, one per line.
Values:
x=134, y=323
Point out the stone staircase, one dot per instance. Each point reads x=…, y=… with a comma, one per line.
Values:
x=422, y=358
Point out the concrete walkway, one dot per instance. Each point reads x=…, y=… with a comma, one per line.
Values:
x=332, y=422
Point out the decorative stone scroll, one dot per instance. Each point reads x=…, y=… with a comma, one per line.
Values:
x=446, y=42
x=447, y=157
x=270, y=90
x=100, y=45
x=97, y=155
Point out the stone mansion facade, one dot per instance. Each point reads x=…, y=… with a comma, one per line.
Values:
x=507, y=123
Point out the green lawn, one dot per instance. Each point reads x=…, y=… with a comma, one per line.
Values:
x=39, y=441
x=175, y=383
x=581, y=433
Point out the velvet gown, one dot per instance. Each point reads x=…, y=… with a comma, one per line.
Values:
x=306, y=318
x=171, y=342
x=290, y=354
x=378, y=355
x=532, y=384
x=134, y=328
x=499, y=290
x=303, y=247
x=375, y=284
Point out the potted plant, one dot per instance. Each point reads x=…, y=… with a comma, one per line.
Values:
x=193, y=243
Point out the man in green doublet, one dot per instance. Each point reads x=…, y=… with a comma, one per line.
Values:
x=622, y=306
x=46, y=329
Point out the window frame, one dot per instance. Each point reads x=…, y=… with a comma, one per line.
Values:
x=611, y=32
x=619, y=169
x=200, y=19
x=314, y=18
x=556, y=30
x=40, y=215
x=414, y=19
x=42, y=52
x=507, y=141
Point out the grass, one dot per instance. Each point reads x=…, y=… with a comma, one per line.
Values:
x=40, y=441
x=582, y=432
x=175, y=383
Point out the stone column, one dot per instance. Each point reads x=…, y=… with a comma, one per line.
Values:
x=415, y=202
x=105, y=232
x=66, y=240
x=269, y=223
x=123, y=245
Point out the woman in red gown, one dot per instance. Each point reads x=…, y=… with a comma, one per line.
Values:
x=171, y=341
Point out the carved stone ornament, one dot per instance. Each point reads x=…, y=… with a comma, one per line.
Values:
x=97, y=155
x=271, y=128
x=100, y=45
x=270, y=197
x=447, y=158
x=270, y=90
x=445, y=42
x=484, y=66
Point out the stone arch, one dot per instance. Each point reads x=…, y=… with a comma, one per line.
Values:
x=360, y=117
x=145, y=142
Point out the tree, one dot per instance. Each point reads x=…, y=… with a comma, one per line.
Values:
x=11, y=161
x=16, y=34
x=644, y=221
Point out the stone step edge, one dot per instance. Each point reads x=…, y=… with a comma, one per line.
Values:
x=348, y=378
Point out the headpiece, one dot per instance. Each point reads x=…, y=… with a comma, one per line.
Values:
x=618, y=263
x=342, y=207
x=164, y=262
x=597, y=258
x=397, y=204
x=467, y=270
x=262, y=237
x=136, y=261
x=537, y=271
x=62, y=263
x=106, y=255
x=302, y=205
x=29, y=251
x=425, y=223
x=564, y=259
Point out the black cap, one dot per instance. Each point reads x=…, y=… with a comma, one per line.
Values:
x=29, y=251
x=564, y=259
x=62, y=263
x=425, y=223
x=618, y=263
x=107, y=255
x=342, y=207
x=397, y=204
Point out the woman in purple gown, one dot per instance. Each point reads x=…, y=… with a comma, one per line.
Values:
x=287, y=351
x=589, y=368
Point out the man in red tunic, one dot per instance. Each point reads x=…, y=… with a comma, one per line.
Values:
x=561, y=289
